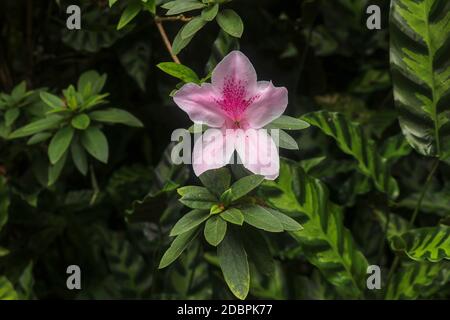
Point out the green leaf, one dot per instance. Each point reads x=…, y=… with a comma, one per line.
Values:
x=126, y=265
x=51, y=100
x=431, y=243
x=287, y=222
x=234, y=264
x=19, y=91
x=114, y=115
x=7, y=291
x=181, y=6
x=54, y=171
x=394, y=148
x=215, y=230
x=179, y=43
x=79, y=157
x=95, y=142
x=192, y=27
x=3, y=252
x=414, y=280
x=233, y=215
x=197, y=197
x=25, y=283
x=11, y=116
x=209, y=13
x=177, y=247
x=135, y=61
x=39, y=137
x=179, y=71
x=245, y=185
x=258, y=251
x=261, y=218
x=50, y=122
x=420, y=68
x=230, y=22
x=324, y=241
x=111, y=2
x=216, y=180
x=189, y=221
x=352, y=140
x=81, y=122
x=284, y=140
x=288, y=123
x=130, y=12
x=60, y=143
x=91, y=83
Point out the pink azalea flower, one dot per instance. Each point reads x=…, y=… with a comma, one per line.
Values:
x=239, y=106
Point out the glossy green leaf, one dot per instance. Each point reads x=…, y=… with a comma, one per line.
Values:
x=59, y=144
x=324, y=241
x=179, y=43
x=422, y=244
x=352, y=140
x=91, y=83
x=233, y=215
x=7, y=291
x=192, y=27
x=177, y=247
x=209, y=13
x=215, y=230
x=130, y=12
x=179, y=71
x=51, y=100
x=81, y=121
x=181, y=6
x=39, y=137
x=54, y=171
x=413, y=280
x=189, y=221
x=234, y=264
x=288, y=123
x=245, y=185
x=419, y=55
x=50, y=122
x=79, y=157
x=11, y=116
x=287, y=222
x=115, y=115
x=216, y=180
x=95, y=142
x=230, y=22
x=261, y=218
x=197, y=197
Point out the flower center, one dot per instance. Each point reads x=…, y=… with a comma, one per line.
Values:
x=233, y=100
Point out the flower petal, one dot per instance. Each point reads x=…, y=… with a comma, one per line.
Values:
x=258, y=152
x=235, y=67
x=213, y=150
x=270, y=104
x=199, y=103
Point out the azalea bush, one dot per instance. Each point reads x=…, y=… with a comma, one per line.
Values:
x=223, y=149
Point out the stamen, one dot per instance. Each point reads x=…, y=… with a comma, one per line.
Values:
x=233, y=100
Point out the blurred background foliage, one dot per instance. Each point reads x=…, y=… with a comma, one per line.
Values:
x=114, y=222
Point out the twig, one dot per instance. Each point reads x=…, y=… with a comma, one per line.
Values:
x=180, y=17
x=167, y=41
x=159, y=24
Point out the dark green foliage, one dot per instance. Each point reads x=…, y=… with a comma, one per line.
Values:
x=86, y=175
